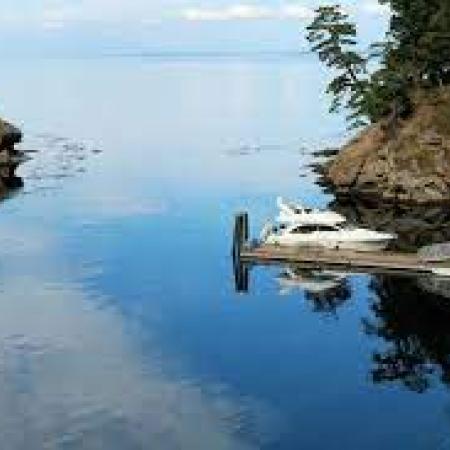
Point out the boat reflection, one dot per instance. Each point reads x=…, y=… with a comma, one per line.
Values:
x=326, y=290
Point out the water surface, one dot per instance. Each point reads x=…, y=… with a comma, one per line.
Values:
x=120, y=325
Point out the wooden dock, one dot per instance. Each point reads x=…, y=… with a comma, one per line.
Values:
x=318, y=257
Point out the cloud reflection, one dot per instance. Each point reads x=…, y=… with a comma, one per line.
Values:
x=69, y=376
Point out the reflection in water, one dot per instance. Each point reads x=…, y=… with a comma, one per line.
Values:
x=10, y=182
x=71, y=378
x=415, y=327
x=241, y=276
x=14, y=187
x=326, y=290
x=439, y=286
x=410, y=316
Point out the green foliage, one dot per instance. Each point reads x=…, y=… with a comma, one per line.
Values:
x=420, y=30
x=415, y=55
x=333, y=38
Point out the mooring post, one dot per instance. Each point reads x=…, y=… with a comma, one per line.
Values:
x=245, y=228
x=241, y=233
x=240, y=238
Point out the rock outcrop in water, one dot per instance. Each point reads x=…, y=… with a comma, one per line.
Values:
x=412, y=167
x=10, y=158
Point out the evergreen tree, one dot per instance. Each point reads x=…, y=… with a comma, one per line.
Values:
x=333, y=38
x=415, y=55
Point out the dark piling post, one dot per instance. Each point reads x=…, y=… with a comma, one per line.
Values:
x=240, y=238
x=245, y=231
x=241, y=233
x=241, y=277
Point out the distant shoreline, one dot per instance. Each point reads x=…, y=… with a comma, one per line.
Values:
x=275, y=55
x=283, y=54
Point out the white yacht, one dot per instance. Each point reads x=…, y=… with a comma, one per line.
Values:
x=296, y=213
x=329, y=236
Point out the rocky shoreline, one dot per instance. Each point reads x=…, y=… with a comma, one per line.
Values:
x=411, y=168
x=10, y=157
x=400, y=185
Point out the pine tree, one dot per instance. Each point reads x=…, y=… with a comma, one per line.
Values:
x=333, y=38
x=421, y=32
x=415, y=55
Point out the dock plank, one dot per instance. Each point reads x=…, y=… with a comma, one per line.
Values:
x=342, y=258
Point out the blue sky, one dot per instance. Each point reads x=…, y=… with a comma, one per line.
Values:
x=108, y=26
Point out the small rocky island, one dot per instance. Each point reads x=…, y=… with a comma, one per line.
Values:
x=10, y=157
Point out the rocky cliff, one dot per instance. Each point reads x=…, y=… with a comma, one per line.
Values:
x=411, y=167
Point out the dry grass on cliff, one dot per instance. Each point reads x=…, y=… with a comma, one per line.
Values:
x=420, y=148
x=428, y=128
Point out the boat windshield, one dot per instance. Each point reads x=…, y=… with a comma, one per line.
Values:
x=327, y=228
x=304, y=229
x=308, y=228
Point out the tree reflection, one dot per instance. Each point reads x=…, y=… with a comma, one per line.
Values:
x=328, y=302
x=415, y=327
x=325, y=290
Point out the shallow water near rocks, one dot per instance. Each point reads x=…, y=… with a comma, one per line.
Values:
x=120, y=324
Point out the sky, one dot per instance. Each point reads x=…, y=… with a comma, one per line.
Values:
x=116, y=26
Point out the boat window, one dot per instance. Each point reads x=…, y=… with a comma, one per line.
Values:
x=304, y=229
x=326, y=228
x=308, y=210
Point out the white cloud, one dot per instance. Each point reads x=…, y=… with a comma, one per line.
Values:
x=56, y=14
x=297, y=12
x=247, y=12
x=374, y=8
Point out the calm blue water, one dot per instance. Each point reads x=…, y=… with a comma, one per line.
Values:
x=120, y=325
